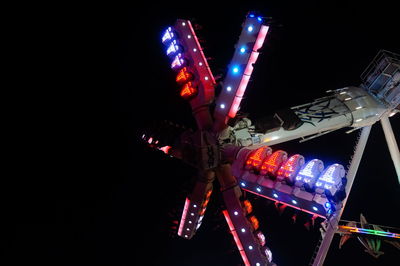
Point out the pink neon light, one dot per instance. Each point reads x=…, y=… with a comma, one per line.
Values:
x=242, y=86
x=278, y=201
x=238, y=97
x=234, y=107
x=252, y=59
x=261, y=37
x=248, y=71
x=183, y=218
x=165, y=149
x=236, y=238
x=201, y=52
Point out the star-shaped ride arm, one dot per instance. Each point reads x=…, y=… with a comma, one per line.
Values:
x=239, y=70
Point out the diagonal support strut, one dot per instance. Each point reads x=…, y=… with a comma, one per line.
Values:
x=392, y=144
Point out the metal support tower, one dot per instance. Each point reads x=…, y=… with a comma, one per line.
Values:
x=335, y=218
x=392, y=144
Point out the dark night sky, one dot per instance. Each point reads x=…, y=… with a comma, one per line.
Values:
x=124, y=216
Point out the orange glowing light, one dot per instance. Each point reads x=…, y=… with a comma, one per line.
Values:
x=184, y=76
x=206, y=202
x=188, y=91
x=273, y=162
x=254, y=222
x=248, y=207
x=202, y=211
x=256, y=157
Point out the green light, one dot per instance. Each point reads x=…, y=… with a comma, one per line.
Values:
x=370, y=231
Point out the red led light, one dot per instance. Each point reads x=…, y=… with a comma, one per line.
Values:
x=188, y=91
x=257, y=156
x=273, y=162
x=184, y=76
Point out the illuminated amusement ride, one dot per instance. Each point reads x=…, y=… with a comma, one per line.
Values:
x=239, y=153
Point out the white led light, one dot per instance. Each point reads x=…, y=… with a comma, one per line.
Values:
x=222, y=106
x=194, y=50
x=294, y=202
x=307, y=170
x=186, y=236
x=243, y=230
x=229, y=88
x=258, y=189
x=192, y=213
x=200, y=64
x=206, y=78
x=358, y=107
x=183, y=24
x=187, y=229
x=358, y=120
x=194, y=205
x=189, y=36
x=190, y=222
x=348, y=99
x=235, y=213
x=250, y=247
x=343, y=92
x=315, y=208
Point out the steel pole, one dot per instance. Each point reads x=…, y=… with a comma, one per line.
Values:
x=392, y=144
x=334, y=220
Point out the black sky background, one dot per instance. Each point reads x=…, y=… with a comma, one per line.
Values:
x=110, y=200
